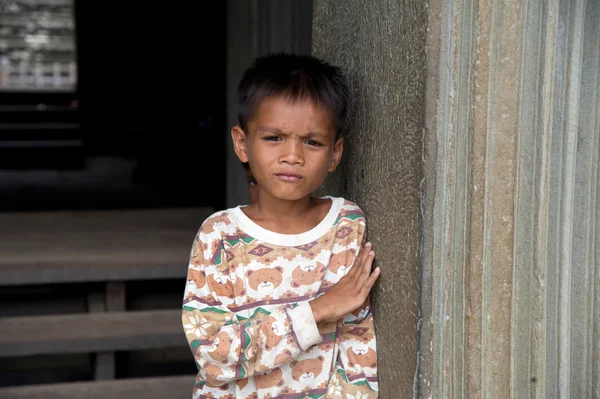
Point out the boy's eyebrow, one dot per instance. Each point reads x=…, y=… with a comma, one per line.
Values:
x=268, y=129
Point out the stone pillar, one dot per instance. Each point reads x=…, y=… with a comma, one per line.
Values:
x=511, y=239
x=381, y=46
x=255, y=28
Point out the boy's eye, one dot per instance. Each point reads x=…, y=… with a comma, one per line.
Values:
x=271, y=138
x=313, y=142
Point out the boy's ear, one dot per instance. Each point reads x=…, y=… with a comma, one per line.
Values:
x=336, y=157
x=239, y=143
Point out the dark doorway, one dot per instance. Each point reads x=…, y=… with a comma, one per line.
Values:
x=144, y=124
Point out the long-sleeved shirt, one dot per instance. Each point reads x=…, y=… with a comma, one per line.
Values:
x=247, y=317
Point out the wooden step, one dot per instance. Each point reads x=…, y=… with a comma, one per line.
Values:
x=97, y=332
x=111, y=245
x=175, y=387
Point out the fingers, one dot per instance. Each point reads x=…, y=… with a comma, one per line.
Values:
x=368, y=284
x=365, y=268
x=360, y=260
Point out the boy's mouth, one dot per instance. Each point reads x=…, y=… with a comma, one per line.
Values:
x=289, y=177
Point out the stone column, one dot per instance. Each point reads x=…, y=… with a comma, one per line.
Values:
x=511, y=248
x=381, y=46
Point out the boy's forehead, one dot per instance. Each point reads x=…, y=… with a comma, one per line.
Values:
x=291, y=115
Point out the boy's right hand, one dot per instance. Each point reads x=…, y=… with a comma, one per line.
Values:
x=350, y=292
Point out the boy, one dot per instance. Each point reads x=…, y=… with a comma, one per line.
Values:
x=276, y=303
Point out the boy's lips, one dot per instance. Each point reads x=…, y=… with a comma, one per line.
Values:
x=289, y=177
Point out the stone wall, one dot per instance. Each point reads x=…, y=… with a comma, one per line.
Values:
x=510, y=250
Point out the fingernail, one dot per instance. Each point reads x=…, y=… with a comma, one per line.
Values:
x=372, y=253
x=368, y=244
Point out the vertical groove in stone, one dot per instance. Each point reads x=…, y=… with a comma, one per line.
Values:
x=568, y=184
x=594, y=383
x=442, y=270
x=553, y=337
x=532, y=202
x=463, y=126
x=475, y=361
x=449, y=262
x=501, y=169
x=478, y=295
x=530, y=146
x=539, y=365
x=595, y=247
x=585, y=206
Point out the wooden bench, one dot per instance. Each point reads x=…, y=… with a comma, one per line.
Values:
x=88, y=332
x=121, y=245
x=177, y=387
x=112, y=247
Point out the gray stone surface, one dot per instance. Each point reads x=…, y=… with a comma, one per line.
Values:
x=381, y=46
x=510, y=251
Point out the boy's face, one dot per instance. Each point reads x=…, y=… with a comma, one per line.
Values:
x=290, y=147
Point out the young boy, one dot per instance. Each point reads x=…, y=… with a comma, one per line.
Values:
x=276, y=302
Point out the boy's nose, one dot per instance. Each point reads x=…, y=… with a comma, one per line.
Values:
x=292, y=154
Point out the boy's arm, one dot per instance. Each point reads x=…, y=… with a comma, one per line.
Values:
x=226, y=348
x=358, y=357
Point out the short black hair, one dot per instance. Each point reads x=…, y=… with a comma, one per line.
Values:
x=295, y=77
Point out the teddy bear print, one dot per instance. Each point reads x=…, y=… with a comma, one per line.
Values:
x=362, y=356
x=265, y=280
x=307, y=274
x=283, y=357
x=197, y=277
x=270, y=380
x=220, y=347
x=224, y=288
x=205, y=250
x=213, y=372
x=361, y=313
x=214, y=223
x=241, y=384
x=306, y=370
x=272, y=331
x=339, y=263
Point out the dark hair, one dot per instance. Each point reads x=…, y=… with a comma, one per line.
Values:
x=295, y=77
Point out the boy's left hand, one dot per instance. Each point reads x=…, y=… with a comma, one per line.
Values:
x=350, y=292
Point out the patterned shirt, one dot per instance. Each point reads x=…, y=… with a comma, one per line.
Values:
x=247, y=317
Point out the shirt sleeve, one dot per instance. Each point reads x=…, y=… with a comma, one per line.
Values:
x=356, y=371
x=227, y=347
x=358, y=358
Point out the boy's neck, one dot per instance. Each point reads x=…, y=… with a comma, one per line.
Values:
x=287, y=217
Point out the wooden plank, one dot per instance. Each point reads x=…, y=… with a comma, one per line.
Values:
x=174, y=387
x=83, y=333
x=130, y=220
x=61, y=247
